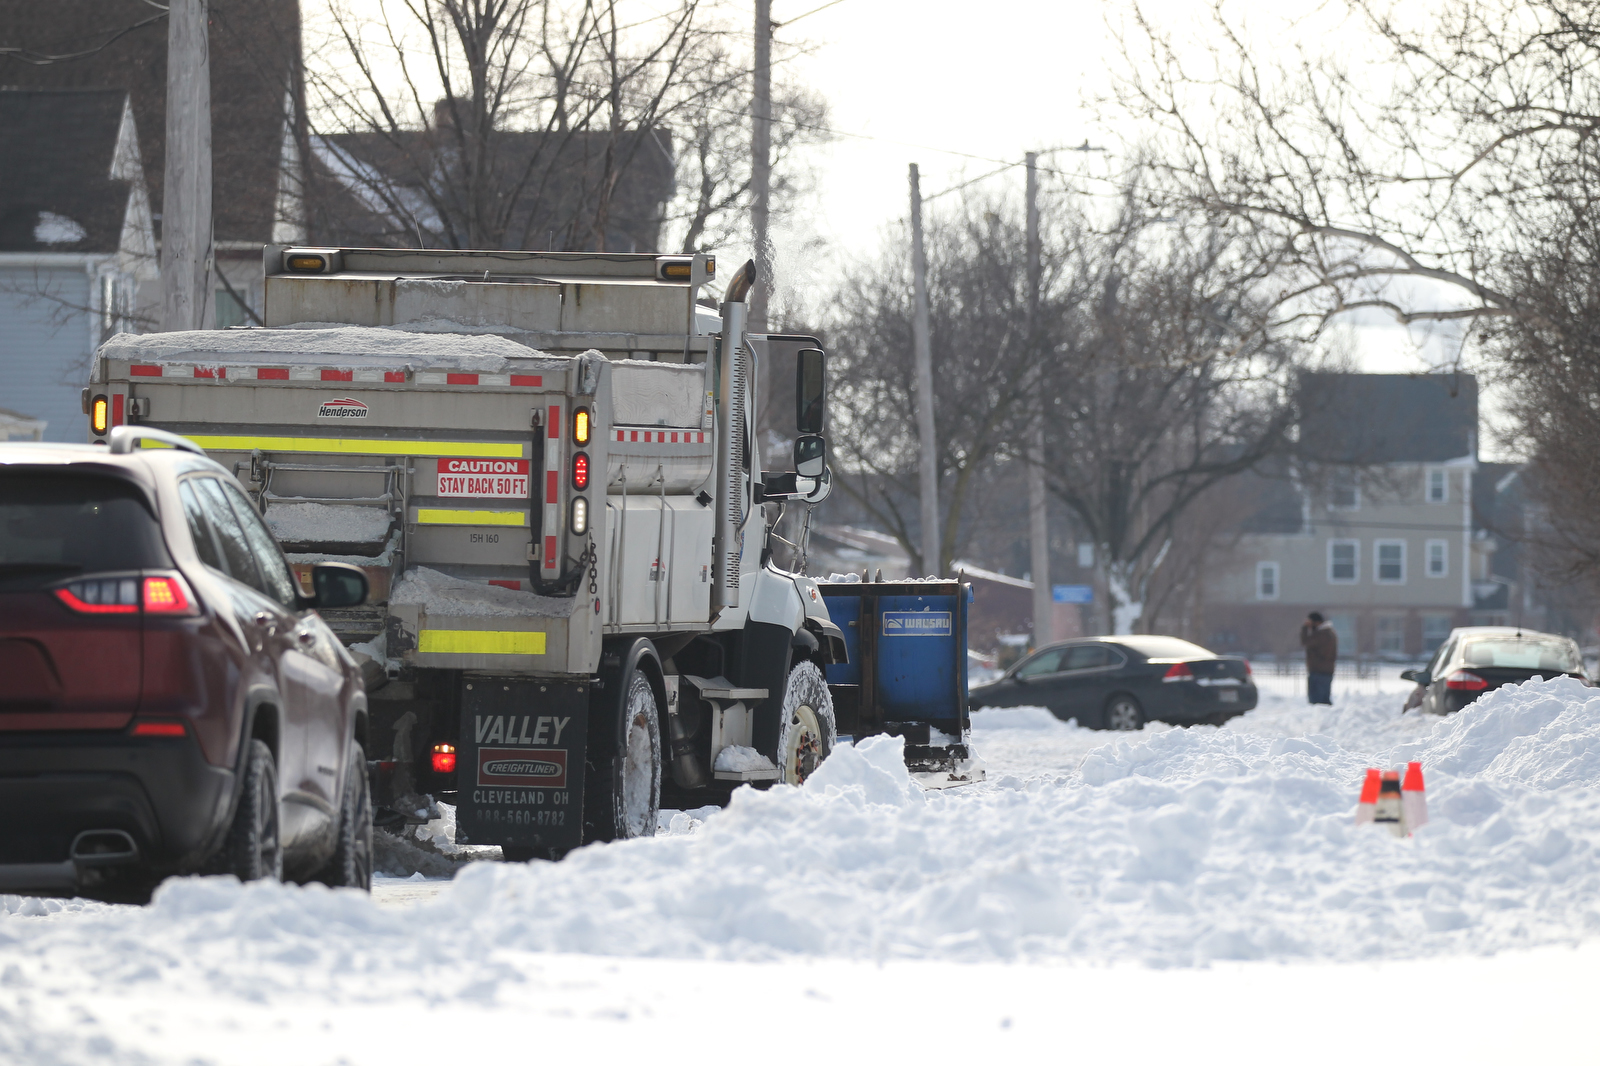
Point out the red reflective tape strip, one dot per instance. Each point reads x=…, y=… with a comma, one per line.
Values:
x=534, y=380
x=555, y=422
x=210, y=372
x=268, y=373
x=552, y=485
x=516, y=585
x=702, y=439
x=145, y=371
x=635, y=436
x=549, y=553
x=394, y=375
x=338, y=375
x=117, y=399
x=674, y=438
x=461, y=379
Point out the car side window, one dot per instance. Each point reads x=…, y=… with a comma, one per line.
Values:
x=200, y=529
x=1046, y=662
x=1441, y=657
x=276, y=581
x=230, y=534
x=1087, y=657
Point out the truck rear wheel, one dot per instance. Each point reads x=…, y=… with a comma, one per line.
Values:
x=808, y=733
x=623, y=794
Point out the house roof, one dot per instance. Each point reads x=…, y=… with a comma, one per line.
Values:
x=1363, y=419
x=255, y=67
x=57, y=193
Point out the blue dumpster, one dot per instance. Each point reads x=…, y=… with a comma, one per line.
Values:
x=907, y=674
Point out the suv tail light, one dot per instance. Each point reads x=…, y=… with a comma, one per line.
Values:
x=1178, y=672
x=1465, y=680
x=165, y=594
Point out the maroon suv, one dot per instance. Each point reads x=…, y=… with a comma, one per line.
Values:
x=170, y=701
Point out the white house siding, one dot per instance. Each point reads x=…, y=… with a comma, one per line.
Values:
x=46, y=344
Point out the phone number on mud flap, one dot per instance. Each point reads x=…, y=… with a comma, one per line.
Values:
x=549, y=818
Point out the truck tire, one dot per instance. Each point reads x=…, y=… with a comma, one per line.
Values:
x=623, y=791
x=252, y=849
x=807, y=733
x=351, y=865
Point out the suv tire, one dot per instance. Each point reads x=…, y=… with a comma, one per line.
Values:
x=253, y=849
x=351, y=865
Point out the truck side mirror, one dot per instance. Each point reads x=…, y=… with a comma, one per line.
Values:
x=810, y=390
x=810, y=455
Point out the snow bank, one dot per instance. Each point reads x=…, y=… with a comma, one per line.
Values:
x=440, y=594
x=1171, y=847
x=301, y=523
x=344, y=346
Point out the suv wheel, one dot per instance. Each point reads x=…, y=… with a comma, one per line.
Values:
x=1124, y=713
x=252, y=849
x=351, y=865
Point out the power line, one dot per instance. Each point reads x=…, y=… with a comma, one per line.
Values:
x=813, y=11
x=40, y=59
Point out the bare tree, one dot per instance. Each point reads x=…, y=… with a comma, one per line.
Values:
x=1455, y=181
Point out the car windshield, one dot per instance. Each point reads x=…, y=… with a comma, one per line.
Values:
x=54, y=524
x=1523, y=653
x=1164, y=648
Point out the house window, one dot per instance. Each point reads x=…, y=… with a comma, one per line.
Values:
x=1344, y=628
x=1438, y=558
x=1390, y=634
x=1391, y=561
x=1344, y=561
x=1438, y=486
x=1435, y=628
x=1266, y=581
x=1344, y=492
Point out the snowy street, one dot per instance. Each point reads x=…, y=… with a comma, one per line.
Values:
x=1199, y=892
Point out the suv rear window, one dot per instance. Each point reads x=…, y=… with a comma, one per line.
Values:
x=1164, y=647
x=56, y=524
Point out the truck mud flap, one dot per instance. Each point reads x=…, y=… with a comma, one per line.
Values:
x=520, y=763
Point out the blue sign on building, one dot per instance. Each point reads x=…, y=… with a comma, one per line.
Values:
x=1072, y=593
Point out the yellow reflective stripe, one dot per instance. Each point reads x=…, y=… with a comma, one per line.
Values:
x=479, y=642
x=359, y=446
x=438, y=516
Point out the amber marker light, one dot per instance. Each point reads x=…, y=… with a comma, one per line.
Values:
x=100, y=415
x=580, y=426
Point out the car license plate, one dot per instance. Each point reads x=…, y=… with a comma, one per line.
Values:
x=1227, y=695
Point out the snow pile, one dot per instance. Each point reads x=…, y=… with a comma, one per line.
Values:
x=736, y=758
x=343, y=346
x=1173, y=847
x=440, y=594
x=327, y=523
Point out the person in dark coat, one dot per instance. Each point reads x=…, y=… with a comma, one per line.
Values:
x=1322, y=652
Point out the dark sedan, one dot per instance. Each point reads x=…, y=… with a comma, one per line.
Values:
x=1123, y=682
x=1478, y=659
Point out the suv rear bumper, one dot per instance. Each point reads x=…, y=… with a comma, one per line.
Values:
x=91, y=810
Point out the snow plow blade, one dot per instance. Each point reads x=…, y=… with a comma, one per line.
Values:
x=907, y=674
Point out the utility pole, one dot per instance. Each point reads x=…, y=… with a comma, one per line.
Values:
x=1038, y=502
x=186, y=194
x=928, y=453
x=761, y=166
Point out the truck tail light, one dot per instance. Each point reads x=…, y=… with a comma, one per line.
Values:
x=580, y=471
x=580, y=516
x=444, y=758
x=1178, y=672
x=1465, y=680
x=100, y=415
x=580, y=426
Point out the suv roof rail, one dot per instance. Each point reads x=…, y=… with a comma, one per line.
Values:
x=123, y=438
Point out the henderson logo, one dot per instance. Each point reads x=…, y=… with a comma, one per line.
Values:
x=342, y=409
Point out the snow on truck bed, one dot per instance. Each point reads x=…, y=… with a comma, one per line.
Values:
x=350, y=346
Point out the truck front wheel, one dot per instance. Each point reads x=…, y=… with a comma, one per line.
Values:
x=624, y=786
x=808, y=733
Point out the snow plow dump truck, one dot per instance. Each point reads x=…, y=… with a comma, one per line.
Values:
x=546, y=464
